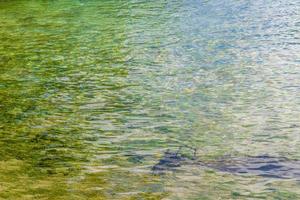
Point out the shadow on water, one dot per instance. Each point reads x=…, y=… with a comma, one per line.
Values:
x=261, y=165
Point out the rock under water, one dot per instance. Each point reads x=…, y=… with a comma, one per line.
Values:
x=262, y=165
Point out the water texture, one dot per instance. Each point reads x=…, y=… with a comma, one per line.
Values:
x=262, y=165
x=93, y=93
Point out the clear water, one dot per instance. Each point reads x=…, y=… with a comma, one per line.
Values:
x=92, y=93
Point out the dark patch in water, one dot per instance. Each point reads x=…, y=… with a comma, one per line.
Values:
x=263, y=165
x=168, y=162
x=171, y=160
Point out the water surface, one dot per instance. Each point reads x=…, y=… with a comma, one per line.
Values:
x=92, y=93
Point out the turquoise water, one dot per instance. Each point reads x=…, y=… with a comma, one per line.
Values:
x=92, y=93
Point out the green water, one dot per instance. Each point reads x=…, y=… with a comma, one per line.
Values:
x=92, y=93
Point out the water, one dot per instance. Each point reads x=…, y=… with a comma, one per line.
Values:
x=263, y=165
x=93, y=93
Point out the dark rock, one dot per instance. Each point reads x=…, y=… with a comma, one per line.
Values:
x=262, y=165
x=172, y=160
x=168, y=162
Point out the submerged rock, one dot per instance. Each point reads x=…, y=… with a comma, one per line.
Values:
x=170, y=161
x=263, y=165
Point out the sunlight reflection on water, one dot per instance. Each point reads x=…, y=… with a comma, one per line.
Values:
x=93, y=93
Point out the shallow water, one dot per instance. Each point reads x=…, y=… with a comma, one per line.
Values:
x=92, y=93
x=261, y=165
